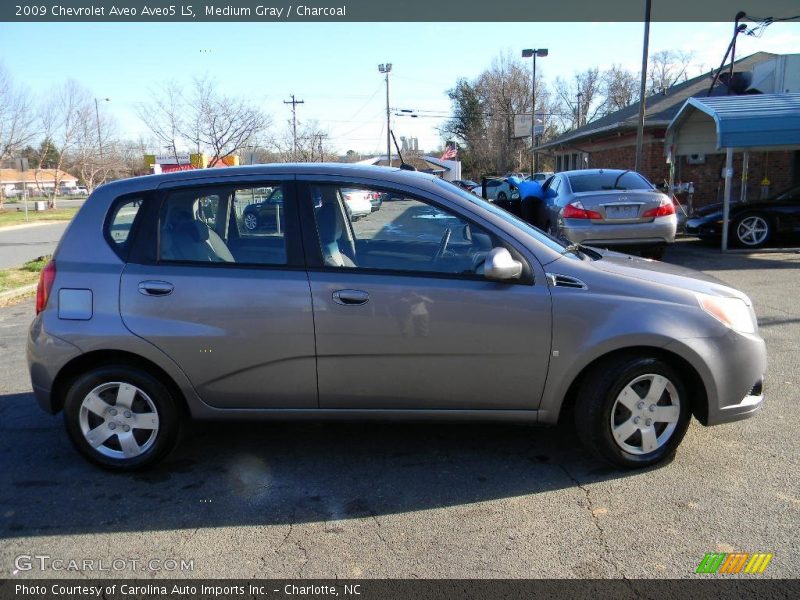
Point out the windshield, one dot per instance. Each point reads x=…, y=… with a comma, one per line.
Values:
x=534, y=232
x=608, y=180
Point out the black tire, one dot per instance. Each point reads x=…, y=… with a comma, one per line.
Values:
x=597, y=397
x=163, y=439
x=752, y=230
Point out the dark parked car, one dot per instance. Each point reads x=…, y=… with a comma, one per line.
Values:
x=159, y=305
x=266, y=213
x=465, y=184
x=752, y=224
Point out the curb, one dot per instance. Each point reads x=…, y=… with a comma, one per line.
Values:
x=6, y=297
x=36, y=224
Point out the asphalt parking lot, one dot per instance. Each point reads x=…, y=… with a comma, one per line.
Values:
x=418, y=500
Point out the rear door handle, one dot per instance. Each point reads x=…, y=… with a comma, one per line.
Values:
x=156, y=288
x=350, y=297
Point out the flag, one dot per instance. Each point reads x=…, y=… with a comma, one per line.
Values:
x=450, y=153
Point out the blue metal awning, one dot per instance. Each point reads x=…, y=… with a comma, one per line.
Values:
x=758, y=121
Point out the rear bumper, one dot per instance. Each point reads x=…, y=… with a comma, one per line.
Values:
x=658, y=232
x=47, y=355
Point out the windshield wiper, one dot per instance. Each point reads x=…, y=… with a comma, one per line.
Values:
x=578, y=249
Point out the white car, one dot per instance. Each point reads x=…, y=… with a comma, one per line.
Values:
x=358, y=202
x=496, y=189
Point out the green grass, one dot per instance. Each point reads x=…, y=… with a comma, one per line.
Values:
x=20, y=276
x=17, y=217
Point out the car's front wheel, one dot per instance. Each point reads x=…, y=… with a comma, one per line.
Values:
x=121, y=418
x=633, y=411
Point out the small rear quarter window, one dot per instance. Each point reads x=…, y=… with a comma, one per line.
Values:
x=121, y=221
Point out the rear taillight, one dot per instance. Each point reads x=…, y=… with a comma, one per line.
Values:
x=46, y=278
x=575, y=210
x=667, y=207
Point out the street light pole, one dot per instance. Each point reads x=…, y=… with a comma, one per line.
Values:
x=386, y=68
x=97, y=118
x=533, y=53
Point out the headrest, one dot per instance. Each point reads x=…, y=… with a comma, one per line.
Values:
x=195, y=229
x=329, y=223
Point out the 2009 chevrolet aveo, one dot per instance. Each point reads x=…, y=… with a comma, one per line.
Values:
x=160, y=303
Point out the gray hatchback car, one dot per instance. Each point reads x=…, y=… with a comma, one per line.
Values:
x=161, y=304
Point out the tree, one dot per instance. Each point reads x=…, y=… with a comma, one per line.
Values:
x=581, y=100
x=666, y=68
x=62, y=118
x=203, y=118
x=313, y=144
x=620, y=88
x=17, y=116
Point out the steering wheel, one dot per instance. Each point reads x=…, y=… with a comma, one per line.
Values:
x=443, y=245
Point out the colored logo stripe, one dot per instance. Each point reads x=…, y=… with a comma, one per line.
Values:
x=721, y=562
x=758, y=563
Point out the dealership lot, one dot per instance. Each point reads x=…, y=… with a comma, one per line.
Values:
x=416, y=500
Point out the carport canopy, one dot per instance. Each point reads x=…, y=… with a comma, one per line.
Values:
x=734, y=123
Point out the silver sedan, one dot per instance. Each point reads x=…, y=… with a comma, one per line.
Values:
x=609, y=207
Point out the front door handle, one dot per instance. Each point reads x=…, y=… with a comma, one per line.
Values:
x=350, y=297
x=156, y=288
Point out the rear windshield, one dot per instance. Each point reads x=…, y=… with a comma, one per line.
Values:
x=596, y=182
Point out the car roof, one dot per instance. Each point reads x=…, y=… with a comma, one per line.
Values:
x=595, y=171
x=388, y=174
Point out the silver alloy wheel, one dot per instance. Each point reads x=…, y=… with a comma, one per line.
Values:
x=250, y=221
x=119, y=420
x=752, y=230
x=645, y=414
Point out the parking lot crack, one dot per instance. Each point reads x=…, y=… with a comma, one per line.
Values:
x=380, y=535
x=607, y=555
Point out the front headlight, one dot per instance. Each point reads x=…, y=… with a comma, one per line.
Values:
x=731, y=312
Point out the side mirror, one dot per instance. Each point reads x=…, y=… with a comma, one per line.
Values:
x=501, y=266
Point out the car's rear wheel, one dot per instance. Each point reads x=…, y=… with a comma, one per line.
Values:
x=121, y=418
x=632, y=411
x=752, y=231
x=250, y=221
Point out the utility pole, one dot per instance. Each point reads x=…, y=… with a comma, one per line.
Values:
x=97, y=118
x=580, y=95
x=294, y=104
x=642, y=88
x=386, y=69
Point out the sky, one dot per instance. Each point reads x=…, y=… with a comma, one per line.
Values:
x=333, y=67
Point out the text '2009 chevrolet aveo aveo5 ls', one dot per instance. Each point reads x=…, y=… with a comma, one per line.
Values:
x=161, y=303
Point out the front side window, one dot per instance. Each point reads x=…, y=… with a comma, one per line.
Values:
x=373, y=229
x=228, y=225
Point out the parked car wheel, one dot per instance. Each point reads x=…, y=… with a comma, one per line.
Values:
x=752, y=231
x=250, y=221
x=121, y=418
x=632, y=411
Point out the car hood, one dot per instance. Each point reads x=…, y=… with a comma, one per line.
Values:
x=665, y=274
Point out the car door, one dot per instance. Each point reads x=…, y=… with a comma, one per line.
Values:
x=230, y=306
x=404, y=318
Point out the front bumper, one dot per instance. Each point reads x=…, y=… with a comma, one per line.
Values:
x=660, y=231
x=732, y=368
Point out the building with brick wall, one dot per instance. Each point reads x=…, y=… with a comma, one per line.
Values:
x=610, y=142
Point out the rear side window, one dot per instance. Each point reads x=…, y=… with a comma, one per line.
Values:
x=121, y=222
